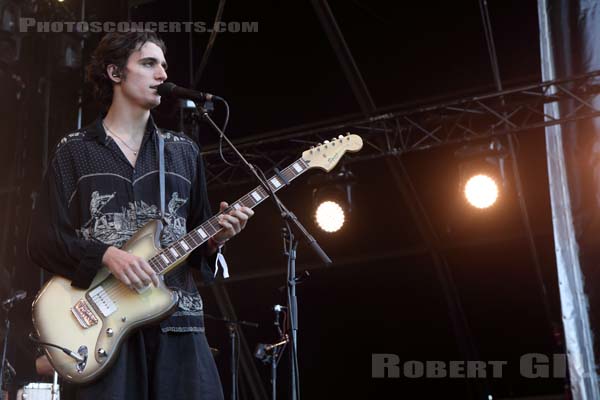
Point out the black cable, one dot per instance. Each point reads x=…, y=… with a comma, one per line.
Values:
x=68, y=352
x=223, y=129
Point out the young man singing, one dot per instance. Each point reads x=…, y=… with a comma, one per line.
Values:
x=102, y=185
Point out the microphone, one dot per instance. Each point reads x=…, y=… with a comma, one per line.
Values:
x=18, y=296
x=169, y=89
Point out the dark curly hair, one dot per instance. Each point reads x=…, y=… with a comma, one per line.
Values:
x=115, y=48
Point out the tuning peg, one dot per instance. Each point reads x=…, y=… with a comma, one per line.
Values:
x=326, y=141
x=341, y=137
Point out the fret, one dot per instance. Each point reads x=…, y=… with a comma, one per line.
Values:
x=213, y=226
x=168, y=255
x=157, y=265
x=208, y=227
x=153, y=265
x=174, y=252
x=177, y=248
x=263, y=192
x=194, y=238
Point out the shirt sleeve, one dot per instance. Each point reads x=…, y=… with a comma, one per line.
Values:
x=53, y=243
x=200, y=211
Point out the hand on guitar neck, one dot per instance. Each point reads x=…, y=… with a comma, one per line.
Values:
x=135, y=272
x=232, y=222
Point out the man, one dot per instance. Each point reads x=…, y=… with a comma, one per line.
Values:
x=101, y=186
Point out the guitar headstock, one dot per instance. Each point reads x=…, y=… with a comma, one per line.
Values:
x=327, y=154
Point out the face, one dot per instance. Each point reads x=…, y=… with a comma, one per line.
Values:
x=144, y=71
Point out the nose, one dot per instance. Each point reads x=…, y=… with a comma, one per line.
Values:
x=161, y=74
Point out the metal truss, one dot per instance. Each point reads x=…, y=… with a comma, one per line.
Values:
x=398, y=130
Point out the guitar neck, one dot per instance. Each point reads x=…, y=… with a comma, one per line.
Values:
x=163, y=261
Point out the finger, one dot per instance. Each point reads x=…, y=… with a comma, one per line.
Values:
x=248, y=211
x=224, y=222
x=151, y=273
x=241, y=217
x=123, y=278
x=144, y=277
x=223, y=206
x=135, y=281
x=231, y=223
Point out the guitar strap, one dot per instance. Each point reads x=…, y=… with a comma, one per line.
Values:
x=161, y=172
x=220, y=259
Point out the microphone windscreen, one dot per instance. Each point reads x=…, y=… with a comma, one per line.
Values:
x=166, y=89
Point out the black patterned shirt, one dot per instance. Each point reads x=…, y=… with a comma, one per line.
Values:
x=93, y=198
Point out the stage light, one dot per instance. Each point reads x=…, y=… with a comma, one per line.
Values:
x=330, y=216
x=482, y=173
x=481, y=191
x=332, y=199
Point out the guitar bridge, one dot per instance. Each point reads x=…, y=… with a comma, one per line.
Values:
x=83, y=314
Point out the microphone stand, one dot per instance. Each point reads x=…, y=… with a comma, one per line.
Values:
x=232, y=327
x=276, y=349
x=7, y=307
x=288, y=217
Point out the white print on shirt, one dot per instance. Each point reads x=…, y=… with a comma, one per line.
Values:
x=116, y=228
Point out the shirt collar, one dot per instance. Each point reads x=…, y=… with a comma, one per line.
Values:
x=96, y=129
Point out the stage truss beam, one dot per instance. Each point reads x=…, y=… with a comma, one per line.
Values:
x=408, y=129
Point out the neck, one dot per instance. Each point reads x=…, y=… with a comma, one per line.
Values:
x=127, y=121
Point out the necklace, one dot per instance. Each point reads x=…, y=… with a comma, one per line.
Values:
x=134, y=151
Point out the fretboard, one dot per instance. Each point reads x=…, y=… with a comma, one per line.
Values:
x=196, y=237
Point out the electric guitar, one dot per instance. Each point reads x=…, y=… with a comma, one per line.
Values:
x=83, y=329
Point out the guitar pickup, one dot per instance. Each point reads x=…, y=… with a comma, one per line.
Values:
x=103, y=301
x=83, y=314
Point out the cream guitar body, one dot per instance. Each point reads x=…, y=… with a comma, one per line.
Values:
x=93, y=323
x=82, y=330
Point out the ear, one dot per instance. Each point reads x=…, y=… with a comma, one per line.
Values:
x=113, y=73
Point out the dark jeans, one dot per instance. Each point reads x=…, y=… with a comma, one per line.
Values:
x=154, y=366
